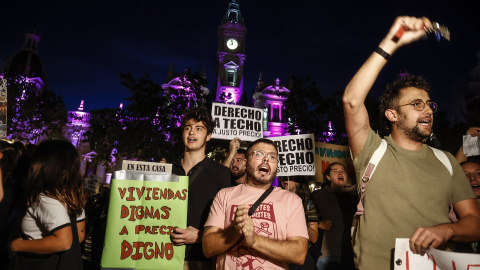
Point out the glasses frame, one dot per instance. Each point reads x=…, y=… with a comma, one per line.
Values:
x=271, y=158
x=418, y=107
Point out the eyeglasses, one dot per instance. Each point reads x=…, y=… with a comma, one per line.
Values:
x=259, y=154
x=419, y=105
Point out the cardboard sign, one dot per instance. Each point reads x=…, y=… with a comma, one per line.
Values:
x=326, y=153
x=92, y=183
x=143, y=166
x=296, y=154
x=237, y=121
x=434, y=259
x=144, y=209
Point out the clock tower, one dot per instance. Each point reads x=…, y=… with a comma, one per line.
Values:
x=230, y=56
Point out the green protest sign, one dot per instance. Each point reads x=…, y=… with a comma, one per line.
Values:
x=143, y=211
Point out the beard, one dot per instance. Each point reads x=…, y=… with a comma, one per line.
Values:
x=237, y=174
x=414, y=133
x=261, y=180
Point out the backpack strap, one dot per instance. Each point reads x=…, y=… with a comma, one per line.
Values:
x=372, y=163
x=444, y=159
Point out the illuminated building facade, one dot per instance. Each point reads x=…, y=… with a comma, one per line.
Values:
x=271, y=100
x=230, y=56
x=78, y=123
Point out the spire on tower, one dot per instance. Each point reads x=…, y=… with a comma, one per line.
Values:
x=233, y=12
x=170, y=72
x=260, y=83
x=81, y=106
x=204, y=76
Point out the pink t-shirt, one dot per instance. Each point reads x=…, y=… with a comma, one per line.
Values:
x=278, y=217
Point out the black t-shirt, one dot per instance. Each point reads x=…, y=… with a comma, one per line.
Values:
x=201, y=191
x=339, y=207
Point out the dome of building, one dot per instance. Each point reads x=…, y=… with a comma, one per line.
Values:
x=26, y=61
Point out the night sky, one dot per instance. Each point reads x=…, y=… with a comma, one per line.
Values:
x=85, y=45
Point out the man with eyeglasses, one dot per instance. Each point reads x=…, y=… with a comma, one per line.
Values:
x=206, y=178
x=274, y=235
x=410, y=191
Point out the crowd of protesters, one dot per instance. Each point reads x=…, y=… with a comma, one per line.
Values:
x=236, y=219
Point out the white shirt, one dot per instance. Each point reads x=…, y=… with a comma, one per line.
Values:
x=45, y=217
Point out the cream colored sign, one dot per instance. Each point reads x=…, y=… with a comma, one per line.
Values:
x=326, y=153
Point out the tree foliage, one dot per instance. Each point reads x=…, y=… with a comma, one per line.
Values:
x=148, y=128
x=33, y=113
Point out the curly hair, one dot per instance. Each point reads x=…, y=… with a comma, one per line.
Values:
x=55, y=172
x=391, y=96
x=199, y=114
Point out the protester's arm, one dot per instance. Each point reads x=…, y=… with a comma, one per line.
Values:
x=81, y=231
x=291, y=250
x=234, y=146
x=187, y=236
x=325, y=224
x=465, y=230
x=312, y=228
x=356, y=116
x=60, y=240
x=216, y=241
x=460, y=156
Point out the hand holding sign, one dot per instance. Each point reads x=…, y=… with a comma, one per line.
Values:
x=471, y=142
x=436, y=260
x=187, y=236
x=426, y=237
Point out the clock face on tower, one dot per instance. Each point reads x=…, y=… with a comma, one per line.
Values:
x=232, y=43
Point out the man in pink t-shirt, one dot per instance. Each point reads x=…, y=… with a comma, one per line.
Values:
x=273, y=236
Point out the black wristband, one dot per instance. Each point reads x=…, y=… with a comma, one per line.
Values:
x=382, y=53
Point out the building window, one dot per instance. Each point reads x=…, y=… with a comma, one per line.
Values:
x=231, y=76
x=275, y=113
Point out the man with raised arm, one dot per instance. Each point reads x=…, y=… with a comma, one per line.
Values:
x=274, y=235
x=236, y=161
x=409, y=194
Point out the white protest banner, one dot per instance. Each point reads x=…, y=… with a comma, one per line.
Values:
x=454, y=260
x=434, y=259
x=405, y=260
x=237, y=121
x=143, y=166
x=296, y=154
x=471, y=145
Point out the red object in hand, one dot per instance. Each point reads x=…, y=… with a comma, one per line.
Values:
x=399, y=34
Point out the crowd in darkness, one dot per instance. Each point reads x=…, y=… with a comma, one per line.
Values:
x=236, y=218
